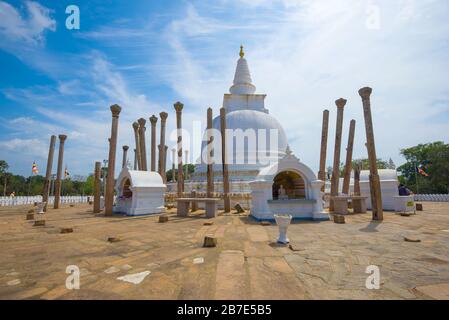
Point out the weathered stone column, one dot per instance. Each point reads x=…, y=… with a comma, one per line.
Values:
x=46, y=190
x=125, y=152
x=97, y=187
x=163, y=147
x=173, y=176
x=143, y=149
x=137, y=159
x=336, y=166
x=110, y=181
x=153, y=121
x=210, y=150
x=224, y=155
x=178, y=107
x=324, y=132
x=62, y=139
x=357, y=179
x=348, y=163
x=186, y=159
x=376, y=195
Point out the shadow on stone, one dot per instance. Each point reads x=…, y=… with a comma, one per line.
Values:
x=371, y=227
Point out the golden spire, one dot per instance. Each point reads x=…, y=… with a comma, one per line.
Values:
x=241, y=54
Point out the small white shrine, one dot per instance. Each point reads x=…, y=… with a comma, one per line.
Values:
x=139, y=193
x=287, y=187
x=388, y=186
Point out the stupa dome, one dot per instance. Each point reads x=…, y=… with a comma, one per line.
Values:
x=261, y=124
x=258, y=139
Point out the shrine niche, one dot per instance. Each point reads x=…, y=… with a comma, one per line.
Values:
x=139, y=193
x=287, y=187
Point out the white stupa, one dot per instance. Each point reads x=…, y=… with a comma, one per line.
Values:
x=245, y=110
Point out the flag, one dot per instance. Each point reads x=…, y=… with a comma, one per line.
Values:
x=66, y=173
x=420, y=170
x=34, y=168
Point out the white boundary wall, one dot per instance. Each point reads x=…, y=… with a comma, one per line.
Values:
x=432, y=197
x=18, y=201
x=22, y=200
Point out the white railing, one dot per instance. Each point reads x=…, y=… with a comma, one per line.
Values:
x=22, y=200
x=432, y=197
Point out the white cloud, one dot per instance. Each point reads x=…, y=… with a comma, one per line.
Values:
x=313, y=52
x=33, y=147
x=27, y=29
x=303, y=54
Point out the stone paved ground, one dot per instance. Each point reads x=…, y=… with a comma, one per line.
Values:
x=330, y=262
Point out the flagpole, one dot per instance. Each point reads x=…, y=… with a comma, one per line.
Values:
x=29, y=185
x=416, y=178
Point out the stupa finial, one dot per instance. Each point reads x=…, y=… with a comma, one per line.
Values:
x=241, y=54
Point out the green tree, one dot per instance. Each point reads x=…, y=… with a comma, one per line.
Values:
x=169, y=173
x=391, y=164
x=364, y=163
x=35, y=185
x=3, y=169
x=16, y=183
x=89, y=185
x=434, y=158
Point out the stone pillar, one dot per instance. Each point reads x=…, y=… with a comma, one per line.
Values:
x=125, y=152
x=137, y=159
x=357, y=180
x=194, y=204
x=224, y=155
x=163, y=147
x=97, y=187
x=173, y=151
x=336, y=166
x=210, y=150
x=110, y=182
x=143, y=150
x=186, y=173
x=376, y=195
x=324, y=131
x=153, y=121
x=62, y=139
x=348, y=163
x=46, y=190
x=178, y=107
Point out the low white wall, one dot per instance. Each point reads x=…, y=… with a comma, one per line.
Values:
x=23, y=200
x=432, y=197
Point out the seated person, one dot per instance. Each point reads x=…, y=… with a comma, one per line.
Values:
x=404, y=191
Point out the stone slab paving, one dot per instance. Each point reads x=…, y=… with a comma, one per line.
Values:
x=167, y=260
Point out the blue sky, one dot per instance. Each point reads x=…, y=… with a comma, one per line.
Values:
x=145, y=55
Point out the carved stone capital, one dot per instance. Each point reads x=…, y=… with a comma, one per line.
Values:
x=142, y=122
x=115, y=109
x=163, y=116
x=340, y=103
x=178, y=106
x=365, y=93
x=125, y=148
x=135, y=126
x=62, y=138
x=153, y=120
